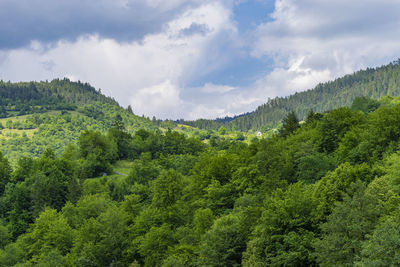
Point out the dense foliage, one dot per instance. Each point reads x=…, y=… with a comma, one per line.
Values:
x=40, y=115
x=325, y=192
x=372, y=82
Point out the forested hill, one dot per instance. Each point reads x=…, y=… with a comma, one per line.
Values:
x=325, y=192
x=372, y=82
x=32, y=97
x=39, y=115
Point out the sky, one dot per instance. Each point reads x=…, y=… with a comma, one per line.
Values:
x=195, y=59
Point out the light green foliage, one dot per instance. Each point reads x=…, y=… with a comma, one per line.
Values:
x=12, y=254
x=143, y=170
x=332, y=186
x=5, y=236
x=101, y=241
x=222, y=130
x=50, y=232
x=181, y=256
x=335, y=124
x=202, y=220
x=369, y=142
x=89, y=206
x=167, y=189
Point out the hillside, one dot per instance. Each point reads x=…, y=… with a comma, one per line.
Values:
x=322, y=193
x=372, y=82
x=39, y=115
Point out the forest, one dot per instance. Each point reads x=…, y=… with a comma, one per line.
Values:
x=321, y=192
x=372, y=82
x=35, y=116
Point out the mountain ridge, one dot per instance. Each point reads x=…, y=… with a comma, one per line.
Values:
x=371, y=82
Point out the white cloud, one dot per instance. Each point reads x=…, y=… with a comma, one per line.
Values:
x=150, y=74
x=215, y=88
x=313, y=41
x=159, y=99
x=309, y=41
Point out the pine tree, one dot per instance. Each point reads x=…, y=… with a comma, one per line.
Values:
x=290, y=124
x=129, y=109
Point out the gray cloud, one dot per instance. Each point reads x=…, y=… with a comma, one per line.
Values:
x=195, y=28
x=48, y=21
x=151, y=74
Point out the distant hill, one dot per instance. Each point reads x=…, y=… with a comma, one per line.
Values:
x=372, y=82
x=37, y=115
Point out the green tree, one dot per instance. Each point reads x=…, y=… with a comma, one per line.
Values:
x=154, y=245
x=334, y=185
x=50, y=231
x=118, y=135
x=347, y=227
x=5, y=173
x=224, y=243
x=167, y=188
x=290, y=124
x=334, y=126
x=101, y=241
x=285, y=232
x=383, y=246
x=98, y=153
x=222, y=130
x=365, y=104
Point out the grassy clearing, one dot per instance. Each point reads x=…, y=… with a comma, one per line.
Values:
x=123, y=166
x=24, y=117
x=10, y=133
x=13, y=119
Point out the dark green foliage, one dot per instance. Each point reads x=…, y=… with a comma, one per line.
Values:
x=5, y=173
x=334, y=126
x=290, y=124
x=324, y=192
x=97, y=152
x=383, y=245
x=123, y=140
x=284, y=235
x=365, y=104
x=379, y=135
x=347, y=227
x=224, y=243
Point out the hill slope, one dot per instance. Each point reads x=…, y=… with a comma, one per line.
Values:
x=37, y=115
x=372, y=82
x=324, y=193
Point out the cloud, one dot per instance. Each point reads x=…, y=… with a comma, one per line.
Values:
x=214, y=88
x=23, y=21
x=313, y=41
x=150, y=74
x=159, y=99
x=164, y=57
